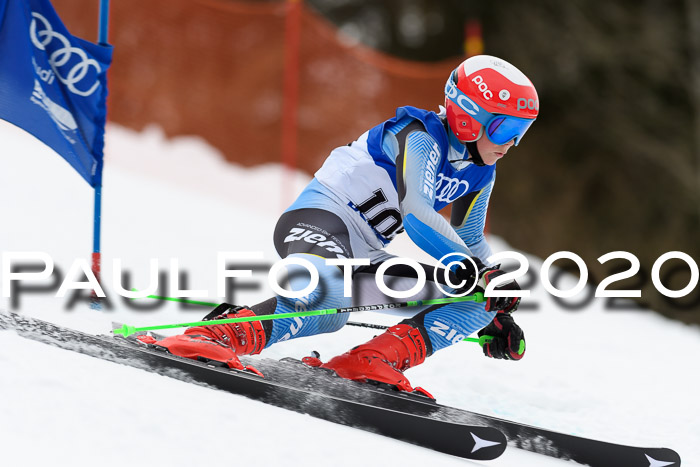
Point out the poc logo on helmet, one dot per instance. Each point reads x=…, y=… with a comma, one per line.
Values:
x=531, y=104
x=459, y=98
x=483, y=87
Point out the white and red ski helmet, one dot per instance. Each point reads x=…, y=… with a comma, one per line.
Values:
x=485, y=92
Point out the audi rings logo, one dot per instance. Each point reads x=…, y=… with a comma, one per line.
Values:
x=449, y=189
x=71, y=72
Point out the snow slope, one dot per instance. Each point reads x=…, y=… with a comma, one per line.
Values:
x=624, y=376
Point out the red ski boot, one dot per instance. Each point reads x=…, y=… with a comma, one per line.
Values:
x=382, y=359
x=221, y=342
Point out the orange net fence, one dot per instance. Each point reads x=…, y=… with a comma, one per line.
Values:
x=216, y=69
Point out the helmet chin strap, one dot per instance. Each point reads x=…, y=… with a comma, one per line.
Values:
x=474, y=153
x=471, y=154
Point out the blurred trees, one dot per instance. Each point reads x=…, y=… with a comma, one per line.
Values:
x=613, y=162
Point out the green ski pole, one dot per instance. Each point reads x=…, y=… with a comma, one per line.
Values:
x=127, y=330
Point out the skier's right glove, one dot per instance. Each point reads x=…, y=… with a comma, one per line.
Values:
x=482, y=276
x=507, y=339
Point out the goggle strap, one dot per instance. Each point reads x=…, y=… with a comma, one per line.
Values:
x=461, y=100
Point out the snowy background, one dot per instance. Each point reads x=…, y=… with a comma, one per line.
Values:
x=622, y=376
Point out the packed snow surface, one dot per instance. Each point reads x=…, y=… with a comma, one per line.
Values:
x=622, y=376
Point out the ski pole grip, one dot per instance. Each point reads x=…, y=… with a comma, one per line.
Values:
x=485, y=339
x=125, y=330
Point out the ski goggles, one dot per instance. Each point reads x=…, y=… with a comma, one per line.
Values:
x=500, y=129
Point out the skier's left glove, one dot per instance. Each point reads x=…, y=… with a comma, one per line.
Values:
x=483, y=275
x=507, y=339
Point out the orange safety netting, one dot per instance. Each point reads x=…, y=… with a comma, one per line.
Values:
x=215, y=68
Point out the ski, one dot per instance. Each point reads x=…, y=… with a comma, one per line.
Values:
x=563, y=446
x=410, y=417
x=348, y=407
x=585, y=451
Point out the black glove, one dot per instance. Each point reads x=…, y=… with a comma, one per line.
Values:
x=483, y=275
x=508, y=340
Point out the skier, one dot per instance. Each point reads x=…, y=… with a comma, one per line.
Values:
x=395, y=176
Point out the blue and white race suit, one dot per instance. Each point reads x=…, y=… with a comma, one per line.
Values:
x=394, y=177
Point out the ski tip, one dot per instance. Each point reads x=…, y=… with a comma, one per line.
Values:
x=661, y=457
x=125, y=330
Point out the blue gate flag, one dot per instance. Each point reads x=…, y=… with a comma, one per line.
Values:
x=54, y=85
